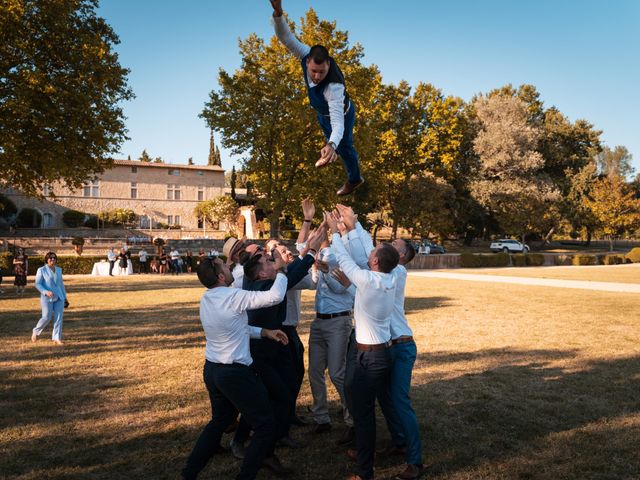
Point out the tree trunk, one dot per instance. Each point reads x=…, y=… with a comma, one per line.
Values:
x=548, y=236
x=274, y=225
x=611, y=243
x=588, y=242
x=394, y=230
x=375, y=233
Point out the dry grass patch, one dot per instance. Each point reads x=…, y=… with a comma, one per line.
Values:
x=628, y=273
x=511, y=382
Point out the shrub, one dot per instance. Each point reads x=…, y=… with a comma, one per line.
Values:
x=472, y=260
x=29, y=218
x=6, y=261
x=77, y=241
x=584, y=260
x=7, y=208
x=534, y=259
x=613, y=259
x=519, y=260
x=634, y=255
x=73, y=218
x=562, y=260
x=91, y=221
x=72, y=264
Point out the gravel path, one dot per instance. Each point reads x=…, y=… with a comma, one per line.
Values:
x=541, y=282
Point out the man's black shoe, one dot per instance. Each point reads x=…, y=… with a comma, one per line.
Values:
x=347, y=437
x=273, y=463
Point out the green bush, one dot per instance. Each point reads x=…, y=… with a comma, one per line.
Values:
x=584, y=260
x=70, y=264
x=634, y=255
x=519, y=260
x=534, y=259
x=73, y=218
x=6, y=262
x=7, y=207
x=29, y=218
x=613, y=259
x=91, y=221
x=472, y=260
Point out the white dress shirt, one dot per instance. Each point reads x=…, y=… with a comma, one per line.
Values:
x=111, y=255
x=238, y=276
x=333, y=93
x=293, y=300
x=223, y=313
x=374, y=299
x=399, y=325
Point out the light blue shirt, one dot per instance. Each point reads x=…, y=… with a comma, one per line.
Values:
x=50, y=281
x=331, y=296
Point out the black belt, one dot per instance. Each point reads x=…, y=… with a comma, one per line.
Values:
x=363, y=347
x=324, y=316
x=403, y=339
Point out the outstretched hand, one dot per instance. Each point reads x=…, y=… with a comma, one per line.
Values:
x=308, y=209
x=332, y=221
x=347, y=216
x=277, y=7
x=276, y=335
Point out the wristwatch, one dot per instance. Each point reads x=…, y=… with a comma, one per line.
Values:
x=333, y=145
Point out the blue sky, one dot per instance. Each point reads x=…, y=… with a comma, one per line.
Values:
x=582, y=55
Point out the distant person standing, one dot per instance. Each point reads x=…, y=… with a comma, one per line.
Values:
x=53, y=298
x=142, y=258
x=123, y=261
x=20, y=269
x=111, y=256
x=176, y=261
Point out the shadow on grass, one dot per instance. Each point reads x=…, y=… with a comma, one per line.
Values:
x=520, y=419
x=108, y=330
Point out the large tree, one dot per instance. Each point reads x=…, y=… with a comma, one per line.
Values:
x=61, y=91
x=219, y=209
x=614, y=206
x=263, y=114
x=511, y=183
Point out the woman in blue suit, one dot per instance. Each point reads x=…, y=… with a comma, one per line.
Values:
x=53, y=297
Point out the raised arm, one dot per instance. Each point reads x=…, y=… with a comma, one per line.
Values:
x=288, y=39
x=252, y=300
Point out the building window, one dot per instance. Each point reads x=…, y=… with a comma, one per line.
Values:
x=47, y=220
x=134, y=189
x=134, y=169
x=199, y=172
x=173, y=191
x=200, y=194
x=174, y=172
x=46, y=189
x=200, y=222
x=173, y=219
x=145, y=221
x=92, y=188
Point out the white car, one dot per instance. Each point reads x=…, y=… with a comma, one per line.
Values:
x=507, y=245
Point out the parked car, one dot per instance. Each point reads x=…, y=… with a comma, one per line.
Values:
x=426, y=247
x=508, y=245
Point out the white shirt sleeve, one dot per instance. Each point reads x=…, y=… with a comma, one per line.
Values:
x=255, y=332
x=334, y=95
x=358, y=276
x=288, y=39
x=251, y=300
x=365, y=238
x=357, y=250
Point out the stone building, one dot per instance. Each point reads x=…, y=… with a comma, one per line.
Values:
x=157, y=192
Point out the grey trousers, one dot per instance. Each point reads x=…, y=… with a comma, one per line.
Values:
x=328, y=340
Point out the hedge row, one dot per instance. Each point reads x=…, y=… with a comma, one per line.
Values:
x=471, y=260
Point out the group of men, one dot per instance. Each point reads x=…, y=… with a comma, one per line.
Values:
x=255, y=359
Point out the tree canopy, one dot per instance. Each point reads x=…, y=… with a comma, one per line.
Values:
x=61, y=89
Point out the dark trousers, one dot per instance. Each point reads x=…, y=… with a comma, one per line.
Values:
x=296, y=349
x=111, y=264
x=272, y=362
x=143, y=267
x=370, y=380
x=350, y=370
x=345, y=149
x=234, y=388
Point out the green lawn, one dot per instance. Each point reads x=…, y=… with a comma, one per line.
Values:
x=511, y=383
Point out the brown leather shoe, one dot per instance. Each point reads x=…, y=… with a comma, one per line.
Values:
x=347, y=436
x=392, y=450
x=353, y=476
x=349, y=187
x=412, y=472
x=273, y=463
